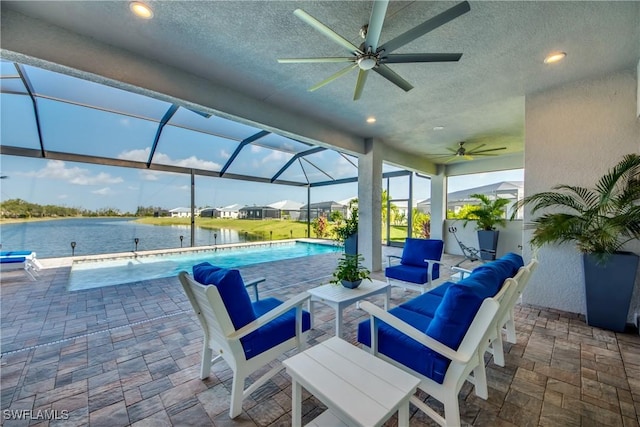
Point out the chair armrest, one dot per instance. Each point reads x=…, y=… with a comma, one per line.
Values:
x=255, y=283
x=392, y=257
x=296, y=301
x=416, y=334
x=432, y=262
x=463, y=271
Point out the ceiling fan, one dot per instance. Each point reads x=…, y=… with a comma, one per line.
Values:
x=372, y=56
x=461, y=152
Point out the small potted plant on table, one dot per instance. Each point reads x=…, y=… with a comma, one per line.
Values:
x=350, y=271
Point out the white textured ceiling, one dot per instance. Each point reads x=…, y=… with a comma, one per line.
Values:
x=479, y=99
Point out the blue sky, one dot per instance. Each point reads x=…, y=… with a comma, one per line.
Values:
x=94, y=187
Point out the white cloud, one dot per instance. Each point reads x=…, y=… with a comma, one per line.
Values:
x=148, y=175
x=63, y=196
x=225, y=154
x=189, y=162
x=103, y=191
x=57, y=169
x=182, y=187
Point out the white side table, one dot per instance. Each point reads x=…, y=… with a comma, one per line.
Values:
x=357, y=388
x=338, y=297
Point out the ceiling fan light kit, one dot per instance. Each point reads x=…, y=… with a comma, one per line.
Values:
x=372, y=56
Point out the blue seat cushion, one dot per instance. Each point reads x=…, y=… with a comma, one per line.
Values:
x=407, y=273
x=425, y=304
x=276, y=331
x=12, y=260
x=400, y=347
x=232, y=291
x=441, y=289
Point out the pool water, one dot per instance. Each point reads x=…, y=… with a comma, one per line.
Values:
x=99, y=273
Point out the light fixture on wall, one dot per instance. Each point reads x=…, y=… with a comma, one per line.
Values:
x=554, y=57
x=141, y=10
x=371, y=119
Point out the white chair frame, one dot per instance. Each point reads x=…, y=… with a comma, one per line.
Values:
x=222, y=340
x=507, y=297
x=414, y=286
x=467, y=363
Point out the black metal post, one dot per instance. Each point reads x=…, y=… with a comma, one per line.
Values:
x=215, y=238
x=271, y=235
x=73, y=248
x=291, y=233
x=136, y=240
x=181, y=237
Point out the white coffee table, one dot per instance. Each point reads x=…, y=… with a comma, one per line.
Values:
x=338, y=297
x=357, y=388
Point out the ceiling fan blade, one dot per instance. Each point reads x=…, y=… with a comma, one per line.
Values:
x=326, y=31
x=376, y=20
x=314, y=60
x=453, y=150
x=362, y=79
x=394, y=78
x=474, y=152
x=452, y=159
x=481, y=154
x=333, y=77
x=425, y=27
x=467, y=157
x=401, y=58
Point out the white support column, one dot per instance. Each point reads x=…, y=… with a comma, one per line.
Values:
x=438, y=204
x=369, y=205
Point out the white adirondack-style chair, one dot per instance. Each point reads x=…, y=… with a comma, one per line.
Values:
x=244, y=354
x=467, y=363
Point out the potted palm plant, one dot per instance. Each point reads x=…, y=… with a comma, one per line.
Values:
x=601, y=221
x=350, y=271
x=487, y=215
x=346, y=231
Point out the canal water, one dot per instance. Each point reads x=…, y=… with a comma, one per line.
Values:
x=104, y=235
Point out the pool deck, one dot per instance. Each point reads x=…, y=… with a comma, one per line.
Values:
x=129, y=355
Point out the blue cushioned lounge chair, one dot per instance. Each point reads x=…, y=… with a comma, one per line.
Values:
x=247, y=335
x=20, y=260
x=419, y=265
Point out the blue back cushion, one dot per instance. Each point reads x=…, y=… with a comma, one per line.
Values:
x=231, y=289
x=451, y=322
x=416, y=250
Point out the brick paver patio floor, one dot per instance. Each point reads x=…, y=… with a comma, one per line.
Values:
x=129, y=355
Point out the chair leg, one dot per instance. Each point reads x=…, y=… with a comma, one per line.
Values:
x=237, y=389
x=498, y=349
x=480, y=381
x=452, y=411
x=510, y=326
x=205, y=365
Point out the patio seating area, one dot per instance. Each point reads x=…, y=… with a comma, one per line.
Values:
x=130, y=355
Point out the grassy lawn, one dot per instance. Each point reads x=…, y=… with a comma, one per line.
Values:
x=282, y=229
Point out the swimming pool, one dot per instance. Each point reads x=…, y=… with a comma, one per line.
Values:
x=99, y=273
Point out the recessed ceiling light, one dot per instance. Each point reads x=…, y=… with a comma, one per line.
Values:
x=554, y=57
x=141, y=10
x=438, y=128
x=371, y=119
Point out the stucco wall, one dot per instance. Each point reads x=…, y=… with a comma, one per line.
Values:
x=573, y=135
x=509, y=240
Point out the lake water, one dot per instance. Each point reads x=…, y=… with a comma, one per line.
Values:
x=50, y=239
